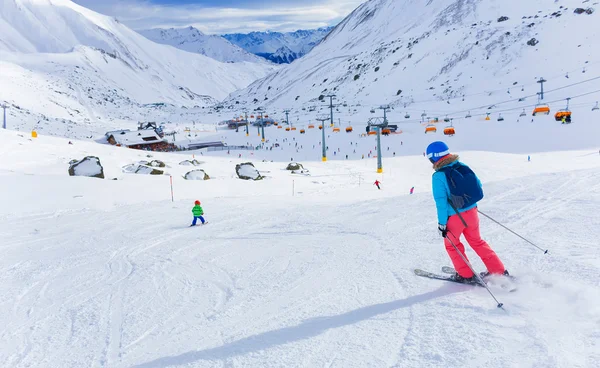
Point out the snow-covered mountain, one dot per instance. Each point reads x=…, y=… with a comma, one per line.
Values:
x=67, y=66
x=446, y=55
x=281, y=48
x=193, y=40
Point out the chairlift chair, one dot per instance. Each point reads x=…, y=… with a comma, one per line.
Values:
x=523, y=113
x=488, y=117
x=447, y=119
x=541, y=109
x=560, y=114
x=596, y=108
x=424, y=114
x=449, y=131
x=349, y=129
x=500, y=118
x=407, y=116
x=430, y=129
x=468, y=115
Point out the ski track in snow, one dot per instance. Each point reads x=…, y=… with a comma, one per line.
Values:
x=320, y=279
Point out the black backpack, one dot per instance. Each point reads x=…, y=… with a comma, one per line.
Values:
x=465, y=190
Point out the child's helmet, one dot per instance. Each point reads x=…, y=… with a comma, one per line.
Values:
x=197, y=203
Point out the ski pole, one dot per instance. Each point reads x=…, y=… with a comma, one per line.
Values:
x=472, y=270
x=545, y=251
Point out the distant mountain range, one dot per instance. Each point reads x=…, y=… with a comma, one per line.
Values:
x=280, y=48
x=193, y=40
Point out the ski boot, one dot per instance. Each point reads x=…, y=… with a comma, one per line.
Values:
x=465, y=280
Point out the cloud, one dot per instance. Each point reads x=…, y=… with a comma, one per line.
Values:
x=226, y=16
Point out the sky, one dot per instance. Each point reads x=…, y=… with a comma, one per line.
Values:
x=226, y=16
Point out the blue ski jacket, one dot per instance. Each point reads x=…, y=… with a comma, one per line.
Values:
x=441, y=192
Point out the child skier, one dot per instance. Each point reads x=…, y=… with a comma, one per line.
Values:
x=456, y=190
x=198, y=212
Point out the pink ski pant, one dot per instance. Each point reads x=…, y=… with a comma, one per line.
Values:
x=456, y=228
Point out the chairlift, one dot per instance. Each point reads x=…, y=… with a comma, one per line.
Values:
x=488, y=117
x=302, y=131
x=468, y=115
x=564, y=113
x=430, y=129
x=523, y=113
x=541, y=109
x=349, y=129
x=596, y=108
x=407, y=116
x=372, y=111
x=336, y=130
x=449, y=131
x=447, y=119
x=424, y=114
x=500, y=118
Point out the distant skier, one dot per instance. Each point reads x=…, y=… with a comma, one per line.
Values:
x=461, y=196
x=377, y=183
x=198, y=213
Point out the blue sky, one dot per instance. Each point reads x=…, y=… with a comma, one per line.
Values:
x=226, y=16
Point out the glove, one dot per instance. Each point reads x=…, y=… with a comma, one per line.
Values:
x=443, y=231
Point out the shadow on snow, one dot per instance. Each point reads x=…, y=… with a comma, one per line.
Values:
x=305, y=330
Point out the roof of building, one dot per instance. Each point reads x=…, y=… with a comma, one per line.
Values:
x=137, y=137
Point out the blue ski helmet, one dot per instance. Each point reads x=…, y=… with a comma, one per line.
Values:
x=437, y=150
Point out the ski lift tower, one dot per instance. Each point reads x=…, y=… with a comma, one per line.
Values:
x=4, y=107
x=323, y=119
x=541, y=81
x=331, y=97
x=379, y=125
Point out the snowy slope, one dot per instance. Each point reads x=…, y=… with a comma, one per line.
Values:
x=68, y=66
x=281, y=48
x=105, y=273
x=193, y=40
x=443, y=57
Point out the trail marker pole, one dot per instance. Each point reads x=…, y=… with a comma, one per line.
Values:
x=171, y=179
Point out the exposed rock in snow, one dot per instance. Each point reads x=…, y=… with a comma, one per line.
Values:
x=88, y=166
x=141, y=168
x=247, y=171
x=294, y=166
x=157, y=163
x=198, y=174
x=193, y=162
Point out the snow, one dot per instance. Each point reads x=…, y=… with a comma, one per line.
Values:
x=293, y=270
x=296, y=270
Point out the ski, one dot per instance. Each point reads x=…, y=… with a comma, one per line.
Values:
x=435, y=276
x=507, y=286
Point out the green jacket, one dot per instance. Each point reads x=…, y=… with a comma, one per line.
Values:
x=197, y=210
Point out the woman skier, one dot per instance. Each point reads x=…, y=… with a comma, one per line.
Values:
x=456, y=190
